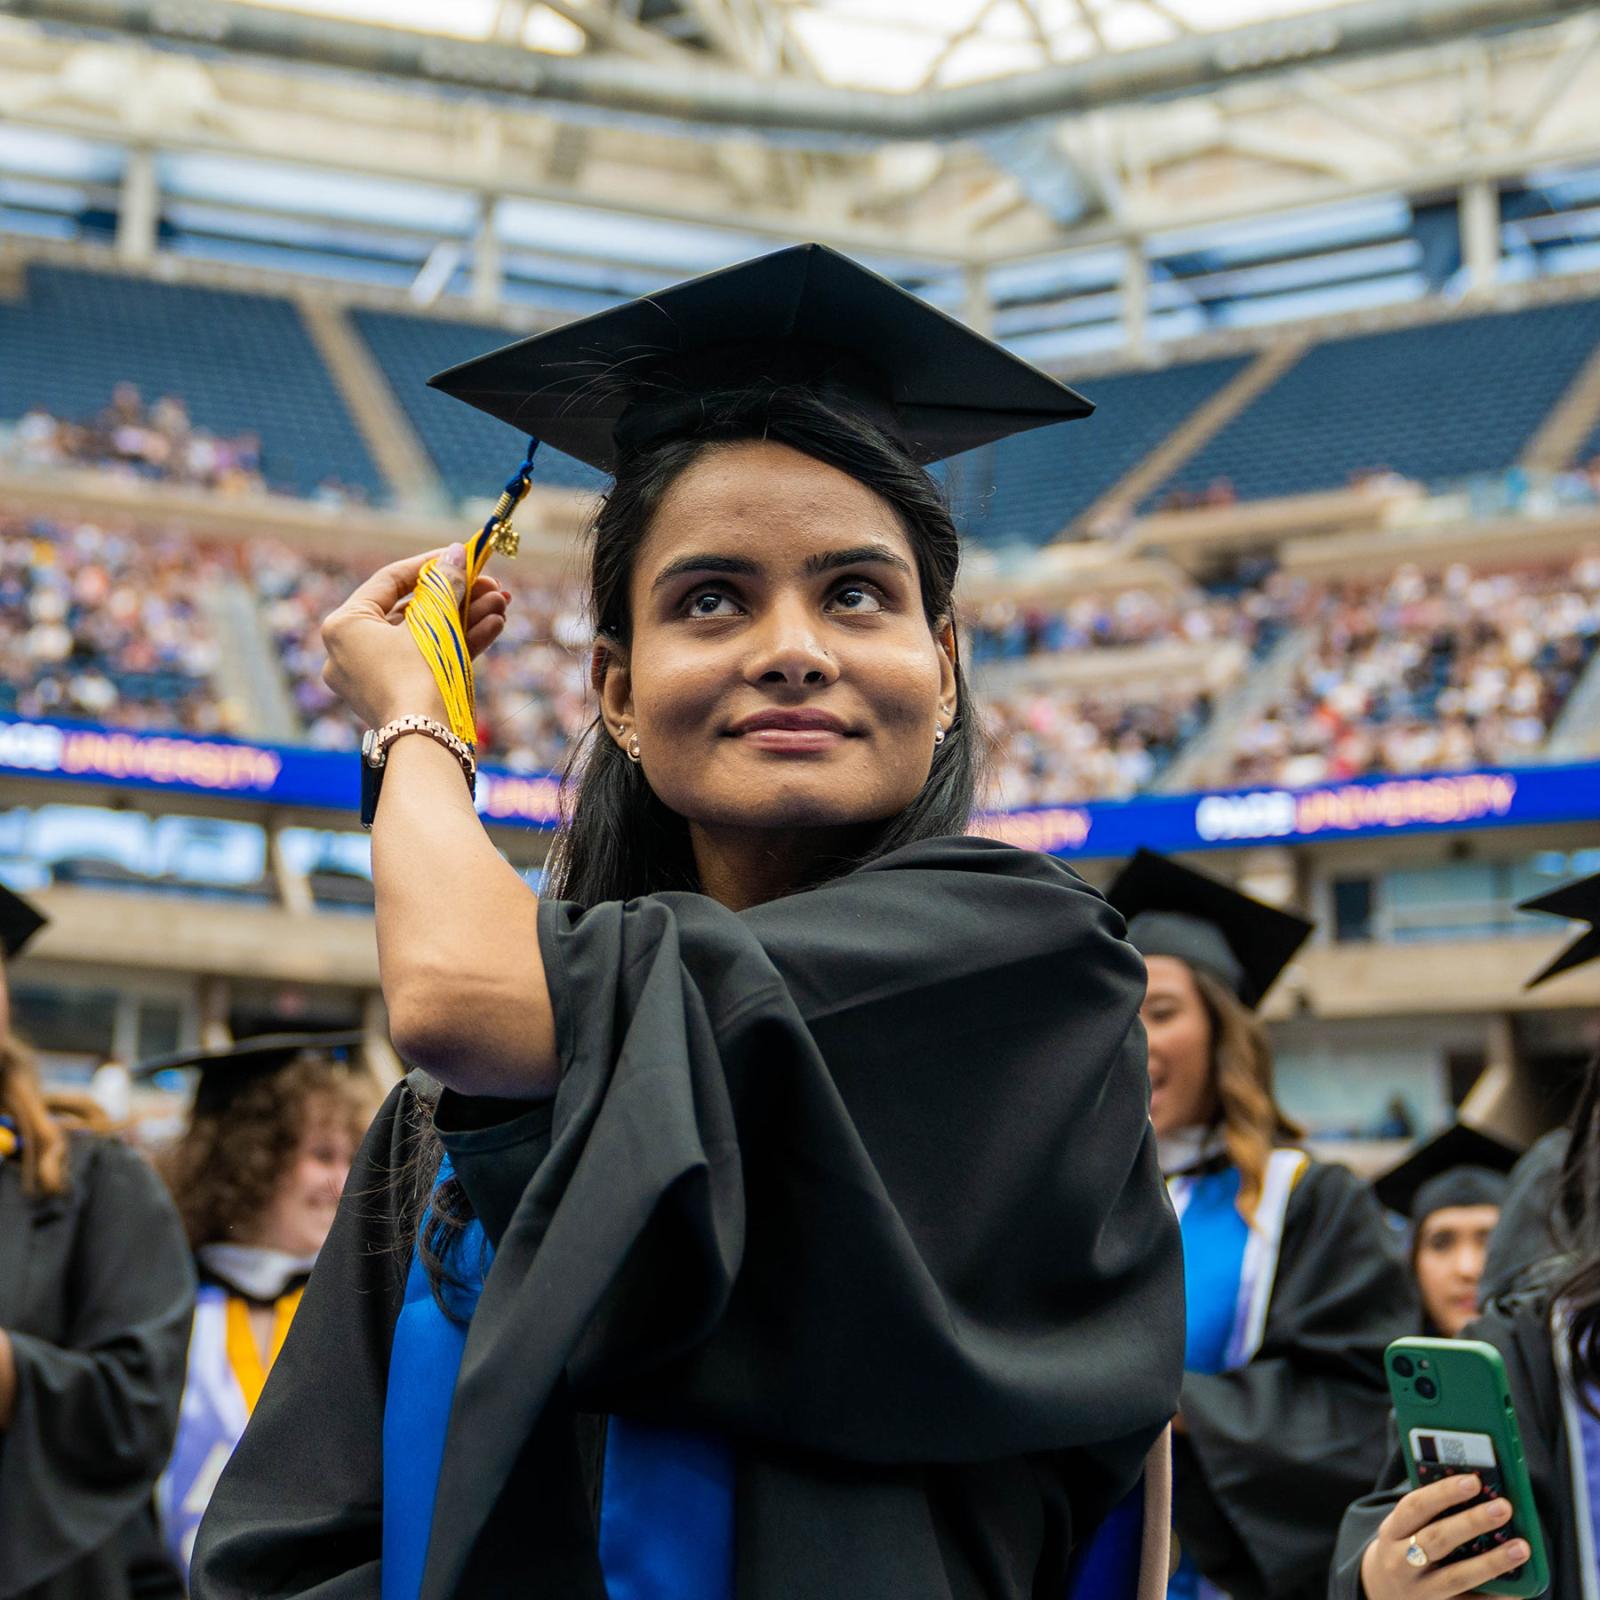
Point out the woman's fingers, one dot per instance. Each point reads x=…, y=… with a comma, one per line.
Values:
x=1450, y=1533
x=1467, y=1577
x=483, y=588
x=388, y=586
x=1414, y=1511
x=484, y=633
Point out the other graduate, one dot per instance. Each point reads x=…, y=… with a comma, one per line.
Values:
x=1451, y=1189
x=1524, y=1241
x=96, y=1289
x=1293, y=1281
x=808, y=1136
x=256, y=1176
x=1545, y=1330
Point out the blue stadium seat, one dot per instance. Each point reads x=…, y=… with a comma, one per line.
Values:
x=242, y=363
x=1438, y=403
x=472, y=453
x=1028, y=488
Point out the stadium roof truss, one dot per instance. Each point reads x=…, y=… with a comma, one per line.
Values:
x=991, y=152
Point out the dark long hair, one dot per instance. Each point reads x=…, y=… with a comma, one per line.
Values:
x=617, y=840
x=1577, y=1219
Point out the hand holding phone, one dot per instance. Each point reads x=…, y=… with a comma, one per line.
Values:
x=1441, y=1518
x=1469, y=1523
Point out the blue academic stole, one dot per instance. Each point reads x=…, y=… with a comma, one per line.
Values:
x=1583, y=1455
x=1228, y=1266
x=666, y=1507
x=667, y=1494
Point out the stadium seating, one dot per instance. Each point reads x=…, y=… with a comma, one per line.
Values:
x=106, y=627
x=1414, y=673
x=1027, y=489
x=472, y=453
x=243, y=363
x=1436, y=403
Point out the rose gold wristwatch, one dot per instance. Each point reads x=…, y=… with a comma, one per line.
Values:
x=375, y=744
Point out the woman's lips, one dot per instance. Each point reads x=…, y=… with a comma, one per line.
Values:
x=796, y=741
x=791, y=732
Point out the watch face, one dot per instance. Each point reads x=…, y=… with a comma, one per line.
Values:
x=369, y=746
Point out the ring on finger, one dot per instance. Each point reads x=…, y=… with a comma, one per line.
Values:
x=1416, y=1556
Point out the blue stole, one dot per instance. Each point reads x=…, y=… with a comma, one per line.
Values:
x=1108, y=1566
x=1215, y=1236
x=666, y=1510
x=1583, y=1457
x=1589, y=1444
x=1215, y=1239
x=667, y=1494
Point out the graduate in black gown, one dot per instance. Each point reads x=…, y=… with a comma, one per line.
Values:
x=1450, y=1190
x=1525, y=1239
x=1294, y=1282
x=256, y=1176
x=1545, y=1330
x=804, y=1139
x=96, y=1290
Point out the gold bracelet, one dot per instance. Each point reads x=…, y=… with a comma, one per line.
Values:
x=375, y=744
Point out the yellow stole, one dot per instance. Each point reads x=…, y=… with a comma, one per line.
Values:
x=244, y=1355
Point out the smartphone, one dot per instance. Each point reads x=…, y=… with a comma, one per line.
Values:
x=1453, y=1409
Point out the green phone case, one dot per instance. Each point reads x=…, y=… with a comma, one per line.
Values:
x=1471, y=1397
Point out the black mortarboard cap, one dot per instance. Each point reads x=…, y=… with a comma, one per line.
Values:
x=19, y=920
x=1175, y=911
x=804, y=316
x=1460, y=1167
x=1579, y=902
x=224, y=1071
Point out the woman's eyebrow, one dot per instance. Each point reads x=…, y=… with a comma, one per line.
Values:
x=738, y=565
x=855, y=556
x=742, y=566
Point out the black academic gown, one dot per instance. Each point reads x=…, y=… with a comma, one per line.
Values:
x=1524, y=1238
x=862, y=1179
x=1519, y=1328
x=1272, y=1451
x=96, y=1292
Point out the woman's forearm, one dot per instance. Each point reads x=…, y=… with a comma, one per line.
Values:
x=458, y=948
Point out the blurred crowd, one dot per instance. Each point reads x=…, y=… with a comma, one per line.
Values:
x=128, y=438
x=1417, y=672
x=1068, y=745
x=1406, y=673
x=107, y=626
x=1252, y=611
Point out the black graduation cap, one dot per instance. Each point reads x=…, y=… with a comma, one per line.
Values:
x=19, y=920
x=1579, y=902
x=1462, y=1166
x=224, y=1071
x=1175, y=911
x=804, y=316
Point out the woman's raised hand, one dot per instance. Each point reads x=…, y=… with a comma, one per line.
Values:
x=373, y=663
x=1423, y=1517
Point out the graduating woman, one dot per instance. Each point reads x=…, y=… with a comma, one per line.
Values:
x=1294, y=1285
x=808, y=1137
x=256, y=1176
x=96, y=1289
x=1393, y=1543
x=1451, y=1189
